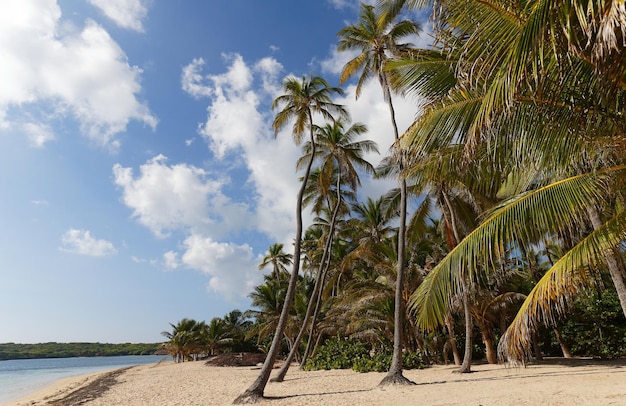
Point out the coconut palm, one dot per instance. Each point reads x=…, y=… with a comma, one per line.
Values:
x=376, y=36
x=336, y=148
x=277, y=258
x=302, y=99
x=186, y=339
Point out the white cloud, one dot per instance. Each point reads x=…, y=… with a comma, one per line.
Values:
x=238, y=120
x=182, y=197
x=191, y=79
x=38, y=134
x=125, y=13
x=81, y=242
x=49, y=72
x=170, y=260
x=232, y=267
x=336, y=61
x=341, y=4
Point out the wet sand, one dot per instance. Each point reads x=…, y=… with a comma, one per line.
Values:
x=552, y=382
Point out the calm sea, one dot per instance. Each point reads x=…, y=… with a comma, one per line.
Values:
x=20, y=377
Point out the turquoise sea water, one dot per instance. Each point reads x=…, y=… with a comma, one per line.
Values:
x=21, y=377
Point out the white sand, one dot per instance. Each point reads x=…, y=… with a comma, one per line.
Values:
x=575, y=382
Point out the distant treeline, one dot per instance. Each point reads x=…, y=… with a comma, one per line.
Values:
x=63, y=350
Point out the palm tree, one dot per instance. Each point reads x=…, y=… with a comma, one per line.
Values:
x=185, y=339
x=376, y=37
x=336, y=149
x=278, y=258
x=301, y=100
x=541, y=83
x=267, y=301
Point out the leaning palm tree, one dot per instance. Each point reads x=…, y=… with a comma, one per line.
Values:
x=301, y=101
x=336, y=149
x=376, y=37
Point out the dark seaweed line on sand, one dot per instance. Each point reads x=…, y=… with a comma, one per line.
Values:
x=90, y=392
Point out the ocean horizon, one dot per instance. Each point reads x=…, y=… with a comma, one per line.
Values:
x=21, y=377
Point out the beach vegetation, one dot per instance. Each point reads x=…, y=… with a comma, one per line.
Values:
x=343, y=353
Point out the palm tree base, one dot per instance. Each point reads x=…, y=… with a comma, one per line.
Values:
x=277, y=379
x=248, y=397
x=396, y=379
x=463, y=370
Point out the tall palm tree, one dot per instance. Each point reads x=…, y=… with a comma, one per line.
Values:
x=376, y=37
x=336, y=148
x=302, y=99
x=277, y=258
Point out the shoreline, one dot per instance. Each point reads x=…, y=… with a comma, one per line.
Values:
x=24, y=377
x=550, y=382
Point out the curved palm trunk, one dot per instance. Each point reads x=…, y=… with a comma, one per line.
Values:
x=307, y=350
x=487, y=336
x=564, y=347
x=255, y=391
x=315, y=295
x=616, y=268
x=394, y=376
x=452, y=339
x=466, y=365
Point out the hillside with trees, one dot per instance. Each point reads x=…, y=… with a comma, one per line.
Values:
x=64, y=350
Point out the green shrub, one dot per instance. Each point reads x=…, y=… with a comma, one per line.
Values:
x=336, y=353
x=596, y=326
x=339, y=353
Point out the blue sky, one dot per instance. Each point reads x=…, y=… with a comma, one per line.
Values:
x=141, y=180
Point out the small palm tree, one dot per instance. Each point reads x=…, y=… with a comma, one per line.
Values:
x=278, y=259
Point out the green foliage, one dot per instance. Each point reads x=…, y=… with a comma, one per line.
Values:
x=597, y=326
x=339, y=353
x=64, y=350
x=381, y=361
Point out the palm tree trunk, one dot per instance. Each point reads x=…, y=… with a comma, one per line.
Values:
x=537, y=348
x=466, y=366
x=313, y=300
x=394, y=376
x=307, y=350
x=255, y=391
x=616, y=267
x=452, y=339
x=564, y=347
x=467, y=356
x=490, y=347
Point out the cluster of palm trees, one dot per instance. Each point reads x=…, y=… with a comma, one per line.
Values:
x=191, y=340
x=518, y=149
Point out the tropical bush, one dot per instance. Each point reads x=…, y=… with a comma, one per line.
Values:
x=341, y=353
x=597, y=326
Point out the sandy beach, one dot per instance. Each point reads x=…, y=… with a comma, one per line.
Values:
x=552, y=382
